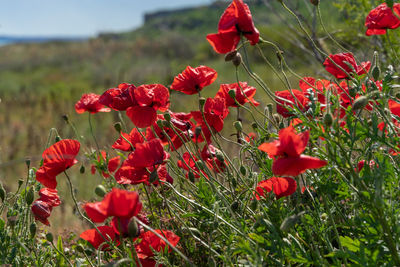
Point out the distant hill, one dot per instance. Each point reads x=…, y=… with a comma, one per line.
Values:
x=40, y=39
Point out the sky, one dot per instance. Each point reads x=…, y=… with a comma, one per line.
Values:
x=79, y=18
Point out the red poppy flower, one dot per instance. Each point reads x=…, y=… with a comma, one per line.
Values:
x=119, y=98
x=361, y=165
x=188, y=163
x=112, y=165
x=208, y=154
x=243, y=94
x=282, y=187
x=50, y=196
x=394, y=107
x=299, y=100
x=41, y=211
x=56, y=159
x=90, y=103
x=150, y=98
x=251, y=137
x=179, y=134
x=236, y=20
x=94, y=238
x=381, y=18
x=310, y=84
x=151, y=242
x=148, y=154
x=134, y=137
x=347, y=62
x=130, y=175
x=193, y=80
x=286, y=152
x=118, y=203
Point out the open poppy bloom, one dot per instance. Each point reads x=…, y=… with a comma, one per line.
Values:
x=149, y=98
x=151, y=242
x=148, y=154
x=112, y=165
x=134, y=137
x=118, y=203
x=119, y=98
x=310, y=84
x=56, y=159
x=235, y=21
x=382, y=18
x=193, y=80
x=90, y=103
x=286, y=152
x=42, y=207
x=299, y=100
x=243, y=94
x=94, y=238
x=282, y=187
x=347, y=62
x=131, y=175
x=394, y=107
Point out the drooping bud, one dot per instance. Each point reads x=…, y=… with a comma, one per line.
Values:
x=29, y=196
x=328, y=119
x=360, y=103
x=243, y=170
x=376, y=71
x=276, y=117
x=133, y=229
x=220, y=156
x=230, y=56
x=160, y=124
x=82, y=169
x=49, y=237
x=167, y=117
x=118, y=127
x=100, y=190
x=238, y=126
x=279, y=54
x=237, y=59
x=32, y=229
x=232, y=93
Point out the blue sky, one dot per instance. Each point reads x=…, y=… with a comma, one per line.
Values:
x=79, y=17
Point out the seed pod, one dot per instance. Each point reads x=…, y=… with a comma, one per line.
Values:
x=230, y=56
x=49, y=237
x=360, y=103
x=118, y=127
x=133, y=229
x=232, y=93
x=202, y=101
x=328, y=119
x=238, y=126
x=167, y=117
x=243, y=170
x=220, y=156
x=100, y=190
x=29, y=196
x=32, y=229
x=237, y=60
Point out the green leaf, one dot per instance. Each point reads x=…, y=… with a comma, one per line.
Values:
x=257, y=238
x=350, y=244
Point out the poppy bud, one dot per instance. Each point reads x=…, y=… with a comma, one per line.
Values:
x=328, y=119
x=314, y=2
x=376, y=71
x=389, y=3
x=352, y=91
x=202, y=101
x=238, y=126
x=49, y=237
x=80, y=248
x=153, y=176
x=230, y=55
x=100, y=190
x=360, y=103
x=28, y=162
x=20, y=182
x=237, y=59
x=166, y=123
x=232, y=93
x=133, y=229
x=29, y=196
x=253, y=204
x=32, y=229
x=82, y=169
x=234, y=182
x=254, y=125
x=167, y=117
x=243, y=170
x=191, y=176
x=58, y=138
x=220, y=156
x=197, y=131
x=118, y=127
x=160, y=124
x=200, y=165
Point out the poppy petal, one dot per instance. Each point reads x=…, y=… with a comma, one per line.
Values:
x=142, y=117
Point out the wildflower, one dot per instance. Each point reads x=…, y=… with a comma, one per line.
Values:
x=94, y=238
x=119, y=98
x=56, y=159
x=382, y=18
x=282, y=187
x=193, y=80
x=90, y=103
x=148, y=154
x=235, y=21
x=134, y=138
x=243, y=94
x=286, y=152
x=42, y=207
x=112, y=165
x=299, y=100
x=347, y=62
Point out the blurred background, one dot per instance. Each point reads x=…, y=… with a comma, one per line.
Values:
x=51, y=52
